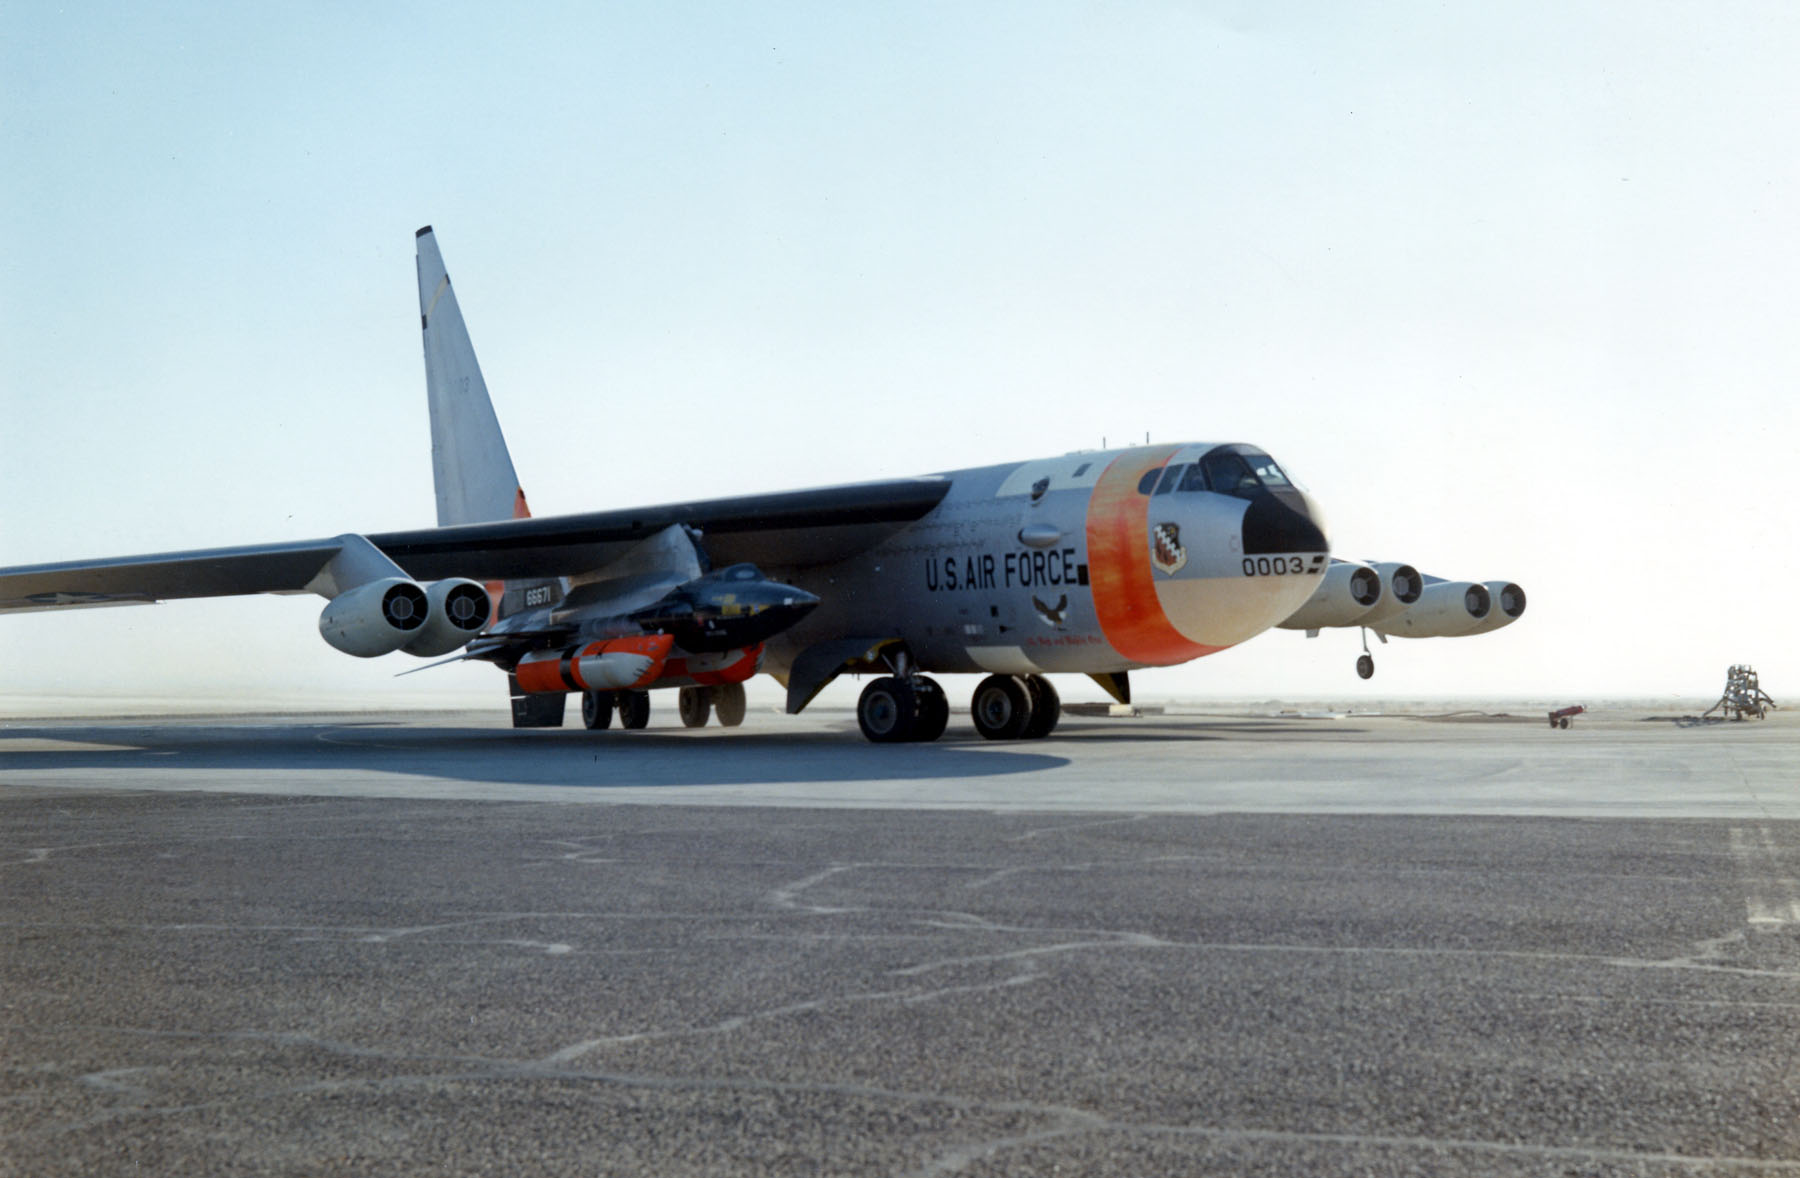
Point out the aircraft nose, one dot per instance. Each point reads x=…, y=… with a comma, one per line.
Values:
x=767, y=608
x=792, y=603
x=1280, y=522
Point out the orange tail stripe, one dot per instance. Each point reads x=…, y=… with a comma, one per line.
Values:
x=497, y=589
x=1118, y=540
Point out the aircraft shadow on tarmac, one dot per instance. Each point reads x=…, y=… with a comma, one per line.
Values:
x=1198, y=729
x=571, y=757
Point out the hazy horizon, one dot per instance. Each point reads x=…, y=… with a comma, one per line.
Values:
x=1509, y=288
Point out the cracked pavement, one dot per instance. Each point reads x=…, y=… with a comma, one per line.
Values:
x=314, y=947
x=221, y=984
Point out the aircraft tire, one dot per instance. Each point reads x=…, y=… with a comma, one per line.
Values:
x=597, y=709
x=695, y=706
x=1001, y=707
x=729, y=705
x=634, y=708
x=888, y=711
x=1046, y=708
x=934, y=711
x=1365, y=666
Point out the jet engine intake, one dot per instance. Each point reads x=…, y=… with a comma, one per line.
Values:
x=1348, y=590
x=1401, y=586
x=458, y=608
x=1509, y=607
x=1444, y=610
x=375, y=618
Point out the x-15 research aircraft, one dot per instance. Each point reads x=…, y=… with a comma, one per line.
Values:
x=1096, y=563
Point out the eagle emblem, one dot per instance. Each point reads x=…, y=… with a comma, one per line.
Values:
x=1166, y=551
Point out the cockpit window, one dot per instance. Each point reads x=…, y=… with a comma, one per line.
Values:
x=1230, y=475
x=1171, y=478
x=1194, y=479
x=1148, y=482
x=1271, y=475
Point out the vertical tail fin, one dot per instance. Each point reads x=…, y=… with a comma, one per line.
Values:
x=470, y=465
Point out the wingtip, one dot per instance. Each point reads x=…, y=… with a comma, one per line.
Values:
x=423, y=232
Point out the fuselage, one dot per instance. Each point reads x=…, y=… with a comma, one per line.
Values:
x=1094, y=562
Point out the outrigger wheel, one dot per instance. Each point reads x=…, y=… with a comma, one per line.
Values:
x=1365, y=666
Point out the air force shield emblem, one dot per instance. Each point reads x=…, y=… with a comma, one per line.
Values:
x=1166, y=551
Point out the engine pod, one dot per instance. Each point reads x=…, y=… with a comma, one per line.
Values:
x=1508, y=607
x=376, y=618
x=1401, y=586
x=1348, y=591
x=457, y=610
x=1444, y=610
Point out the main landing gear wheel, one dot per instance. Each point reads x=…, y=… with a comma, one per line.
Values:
x=934, y=710
x=695, y=705
x=1001, y=707
x=728, y=704
x=1046, y=708
x=597, y=709
x=634, y=708
x=1365, y=666
x=888, y=711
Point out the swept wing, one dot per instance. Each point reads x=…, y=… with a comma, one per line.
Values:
x=794, y=529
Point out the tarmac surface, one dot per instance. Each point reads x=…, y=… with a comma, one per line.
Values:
x=1210, y=944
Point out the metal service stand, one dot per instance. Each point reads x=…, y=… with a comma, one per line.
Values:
x=1743, y=696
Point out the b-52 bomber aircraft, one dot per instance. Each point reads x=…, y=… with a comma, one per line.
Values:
x=1097, y=563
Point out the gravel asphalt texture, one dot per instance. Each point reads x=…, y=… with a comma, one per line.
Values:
x=219, y=983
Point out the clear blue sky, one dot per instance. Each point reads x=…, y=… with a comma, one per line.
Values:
x=1511, y=287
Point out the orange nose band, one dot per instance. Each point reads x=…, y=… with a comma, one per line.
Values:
x=1118, y=523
